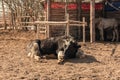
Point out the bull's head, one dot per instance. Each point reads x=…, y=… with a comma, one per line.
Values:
x=67, y=41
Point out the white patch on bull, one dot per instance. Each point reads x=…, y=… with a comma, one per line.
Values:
x=61, y=53
x=29, y=54
x=72, y=39
x=36, y=57
x=67, y=43
x=60, y=56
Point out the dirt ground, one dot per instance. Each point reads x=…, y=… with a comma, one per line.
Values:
x=102, y=61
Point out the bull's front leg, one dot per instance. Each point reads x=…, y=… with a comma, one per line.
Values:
x=37, y=55
x=61, y=57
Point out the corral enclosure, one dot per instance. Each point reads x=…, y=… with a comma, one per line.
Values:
x=57, y=12
x=101, y=63
x=77, y=11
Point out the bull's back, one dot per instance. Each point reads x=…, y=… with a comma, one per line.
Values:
x=48, y=46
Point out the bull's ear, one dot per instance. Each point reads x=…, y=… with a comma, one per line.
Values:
x=38, y=41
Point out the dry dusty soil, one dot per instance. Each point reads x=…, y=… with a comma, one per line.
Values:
x=102, y=61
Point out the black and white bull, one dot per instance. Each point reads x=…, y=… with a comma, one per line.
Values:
x=62, y=47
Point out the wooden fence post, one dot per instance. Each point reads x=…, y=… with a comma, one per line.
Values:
x=68, y=24
x=83, y=29
x=37, y=31
x=48, y=31
x=79, y=2
x=92, y=21
x=48, y=17
x=3, y=8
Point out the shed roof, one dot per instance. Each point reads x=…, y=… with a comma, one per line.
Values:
x=96, y=1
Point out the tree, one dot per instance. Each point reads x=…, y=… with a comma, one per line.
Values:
x=32, y=8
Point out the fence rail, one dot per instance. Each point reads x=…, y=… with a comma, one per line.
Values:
x=66, y=23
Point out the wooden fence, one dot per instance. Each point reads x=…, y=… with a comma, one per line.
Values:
x=66, y=23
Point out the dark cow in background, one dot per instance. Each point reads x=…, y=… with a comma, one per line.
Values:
x=107, y=23
x=63, y=47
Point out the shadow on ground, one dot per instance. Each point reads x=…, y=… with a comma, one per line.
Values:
x=87, y=59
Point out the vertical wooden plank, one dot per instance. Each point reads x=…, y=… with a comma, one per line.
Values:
x=78, y=9
x=17, y=17
x=48, y=31
x=10, y=19
x=66, y=18
x=48, y=9
x=3, y=8
x=67, y=29
x=20, y=18
x=66, y=9
x=83, y=29
x=103, y=10
x=79, y=2
x=92, y=21
x=37, y=33
x=48, y=17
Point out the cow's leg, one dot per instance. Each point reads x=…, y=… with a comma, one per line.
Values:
x=60, y=57
x=102, y=34
x=117, y=34
x=113, y=38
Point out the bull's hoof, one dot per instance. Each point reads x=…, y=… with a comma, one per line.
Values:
x=37, y=58
x=61, y=62
x=44, y=57
x=28, y=54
